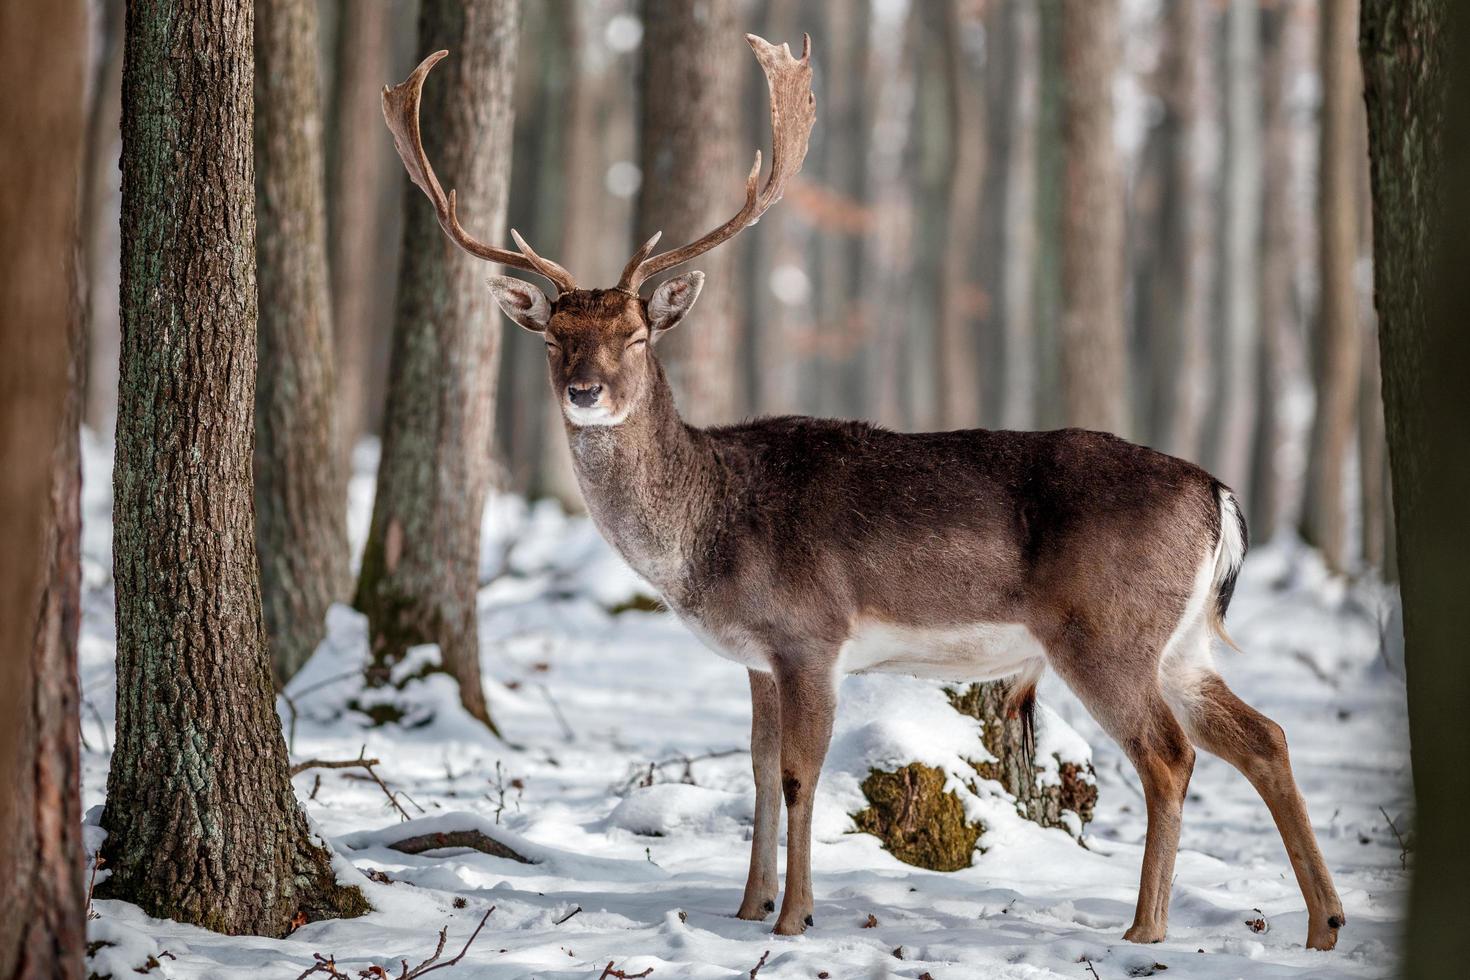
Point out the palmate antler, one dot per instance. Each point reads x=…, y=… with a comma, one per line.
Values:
x=793, y=111
x=401, y=111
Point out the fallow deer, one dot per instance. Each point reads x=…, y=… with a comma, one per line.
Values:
x=808, y=548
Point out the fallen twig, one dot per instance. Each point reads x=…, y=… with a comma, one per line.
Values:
x=757, y=968
x=568, y=915
x=1091, y=969
x=642, y=779
x=473, y=839
x=608, y=972
x=328, y=964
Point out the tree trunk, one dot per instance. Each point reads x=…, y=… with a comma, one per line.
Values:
x=1051, y=165
x=1018, y=289
x=958, y=365
x=1237, y=393
x=1180, y=302
x=300, y=475
x=202, y=823
x=42, y=930
x=1419, y=145
x=1093, y=344
x=1338, y=344
x=694, y=157
x=359, y=165
x=1276, y=306
x=420, y=570
x=98, y=226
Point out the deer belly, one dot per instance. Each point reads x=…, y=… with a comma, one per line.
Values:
x=968, y=652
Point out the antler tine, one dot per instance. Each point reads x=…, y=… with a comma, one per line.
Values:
x=793, y=112
x=546, y=267
x=401, y=112
x=629, y=270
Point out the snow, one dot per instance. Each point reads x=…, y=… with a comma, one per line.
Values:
x=594, y=702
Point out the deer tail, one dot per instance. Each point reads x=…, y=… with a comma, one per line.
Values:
x=1230, y=549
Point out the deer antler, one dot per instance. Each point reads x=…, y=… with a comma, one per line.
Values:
x=793, y=111
x=401, y=112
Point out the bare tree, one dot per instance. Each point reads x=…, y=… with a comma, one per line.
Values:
x=1233, y=409
x=359, y=158
x=1276, y=304
x=1338, y=344
x=202, y=823
x=1179, y=304
x=300, y=476
x=1018, y=285
x=693, y=158
x=420, y=570
x=99, y=231
x=1093, y=348
x=42, y=933
x=1419, y=144
x=957, y=372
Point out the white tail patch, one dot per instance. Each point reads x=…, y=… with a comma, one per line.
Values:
x=1229, y=556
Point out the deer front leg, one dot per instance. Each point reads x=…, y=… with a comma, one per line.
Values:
x=808, y=699
x=765, y=758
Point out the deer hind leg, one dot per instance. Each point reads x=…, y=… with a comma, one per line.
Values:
x=1121, y=691
x=765, y=755
x=1220, y=722
x=808, y=697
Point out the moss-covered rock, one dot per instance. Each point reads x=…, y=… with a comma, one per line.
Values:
x=917, y=820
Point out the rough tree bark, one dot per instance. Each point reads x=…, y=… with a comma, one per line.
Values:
x=202, y=822
x=1093, y=344
x=300, y=476
x=42, y=932
x=923, y=824
x=420, y=570
x=1420, y=150
x=1338, y=345
x=359, y=163
x=694, y=156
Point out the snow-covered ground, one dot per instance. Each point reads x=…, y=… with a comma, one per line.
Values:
x=591, y=700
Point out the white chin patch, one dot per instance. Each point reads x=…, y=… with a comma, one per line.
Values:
x=596, y=415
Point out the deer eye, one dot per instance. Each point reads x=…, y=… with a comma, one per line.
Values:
x=637, y=343
x=552, y=345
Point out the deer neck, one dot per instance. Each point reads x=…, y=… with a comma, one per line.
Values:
x=651, y=485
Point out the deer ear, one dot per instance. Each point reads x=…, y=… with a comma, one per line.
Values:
x=673, y=300
x=524, y=303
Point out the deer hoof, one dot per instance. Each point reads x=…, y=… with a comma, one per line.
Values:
x=756, y=911
x=792, y=926
x=1144, y=933
x=1324, y=936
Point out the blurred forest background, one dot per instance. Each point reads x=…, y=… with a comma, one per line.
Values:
x=1149, y=217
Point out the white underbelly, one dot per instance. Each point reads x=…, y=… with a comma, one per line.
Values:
x=970, y=652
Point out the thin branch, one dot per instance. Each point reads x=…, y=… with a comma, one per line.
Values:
x=757, y=968
x=361, y=762
x=1403, y=845
x=568, y=915
x=608, y=972
x=561, y=719
x=430, y=965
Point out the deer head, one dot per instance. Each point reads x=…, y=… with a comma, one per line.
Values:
x=599, y=341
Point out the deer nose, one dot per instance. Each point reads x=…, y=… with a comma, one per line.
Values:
x=583, y=396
